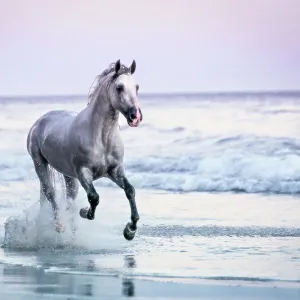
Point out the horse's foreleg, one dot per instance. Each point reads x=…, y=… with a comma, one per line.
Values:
x=86, y=180
x=118, y=176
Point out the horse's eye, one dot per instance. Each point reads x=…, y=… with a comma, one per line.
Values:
x=120, y=88
x=137, y=87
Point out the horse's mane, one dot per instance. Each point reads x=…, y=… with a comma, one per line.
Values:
x=99, y=79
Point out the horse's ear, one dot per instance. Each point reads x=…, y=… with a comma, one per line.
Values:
x=133, y=67
x=117, y=66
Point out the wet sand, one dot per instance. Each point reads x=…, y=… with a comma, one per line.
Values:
x=201, y=246
x=19, y=282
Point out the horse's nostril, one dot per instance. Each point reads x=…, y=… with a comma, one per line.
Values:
x=132, y=116
x=132, y=113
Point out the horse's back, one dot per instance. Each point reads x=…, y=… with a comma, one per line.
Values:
x=50, y=122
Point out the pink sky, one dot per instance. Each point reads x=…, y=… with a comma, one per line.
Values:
x=57, y=47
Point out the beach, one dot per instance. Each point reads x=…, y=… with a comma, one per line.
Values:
x=219, y=207
x=179, y=251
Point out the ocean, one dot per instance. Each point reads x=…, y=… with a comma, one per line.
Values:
x=217, y=179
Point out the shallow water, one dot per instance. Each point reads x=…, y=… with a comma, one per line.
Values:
x=217, y=190
x=200, y=236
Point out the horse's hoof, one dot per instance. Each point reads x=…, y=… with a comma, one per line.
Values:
x=128, y=232
x=85, y=213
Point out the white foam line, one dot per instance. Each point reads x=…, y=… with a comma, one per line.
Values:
x=182, y=278
x=82, y=273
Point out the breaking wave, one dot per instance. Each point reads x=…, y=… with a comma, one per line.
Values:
x=245, y=164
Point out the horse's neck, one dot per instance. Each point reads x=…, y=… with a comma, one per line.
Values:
x=102, y=117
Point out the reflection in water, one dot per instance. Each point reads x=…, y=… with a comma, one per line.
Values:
x=129, y=261
x=55, y=283
x=87, y=289
x=47, y=283
x=128, y=289
x=91, y=266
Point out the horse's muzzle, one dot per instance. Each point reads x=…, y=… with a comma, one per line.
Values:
x=134, y=116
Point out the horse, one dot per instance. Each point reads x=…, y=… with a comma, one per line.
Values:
x=86, y=146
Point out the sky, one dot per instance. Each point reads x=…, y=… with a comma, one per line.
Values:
x=59, y=46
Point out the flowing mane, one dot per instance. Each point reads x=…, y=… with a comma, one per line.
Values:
x=99, y=79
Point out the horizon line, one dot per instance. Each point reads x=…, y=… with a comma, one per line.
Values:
x=171, y=94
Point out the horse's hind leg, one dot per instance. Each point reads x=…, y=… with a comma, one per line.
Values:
x=47, y=190
x=71, y=193
x=72, y=187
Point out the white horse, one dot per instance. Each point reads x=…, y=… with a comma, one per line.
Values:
x=86, y=146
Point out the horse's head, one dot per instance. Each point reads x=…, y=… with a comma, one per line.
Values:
x=124, y=94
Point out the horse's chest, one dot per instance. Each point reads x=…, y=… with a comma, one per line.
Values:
x=103, y=163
